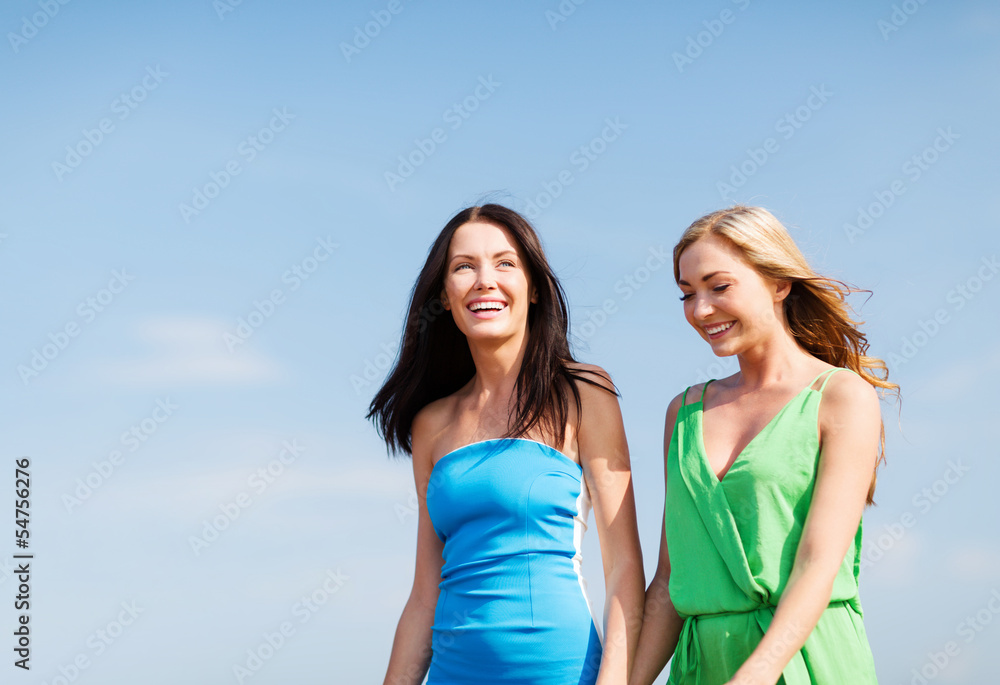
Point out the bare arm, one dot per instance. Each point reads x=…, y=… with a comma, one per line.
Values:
x=605, y=460
x=849, y=432
x=661, y=625
x=411, y=647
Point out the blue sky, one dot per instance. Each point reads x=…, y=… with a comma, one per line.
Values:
x=209, y=371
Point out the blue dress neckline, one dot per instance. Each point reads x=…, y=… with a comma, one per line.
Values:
x=550, y=448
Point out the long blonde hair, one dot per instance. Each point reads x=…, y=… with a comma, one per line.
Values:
x=816, y=308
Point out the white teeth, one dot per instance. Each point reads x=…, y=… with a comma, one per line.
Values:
x=477, y=306
x=718, y=329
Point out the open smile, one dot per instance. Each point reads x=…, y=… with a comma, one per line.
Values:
x=716, y=331
x=486, y=309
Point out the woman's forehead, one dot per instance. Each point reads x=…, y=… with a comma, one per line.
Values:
x=482, y=235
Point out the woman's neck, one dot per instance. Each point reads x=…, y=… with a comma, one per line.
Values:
x=771, y=362
x=497, y=367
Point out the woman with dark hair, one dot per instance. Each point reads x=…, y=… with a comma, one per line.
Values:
x=767, y=471
x=511, y=441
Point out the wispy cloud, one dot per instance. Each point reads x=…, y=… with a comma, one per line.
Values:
x=186, y=351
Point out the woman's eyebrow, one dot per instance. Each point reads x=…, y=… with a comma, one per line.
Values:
x=705, y=277
x=498, y=254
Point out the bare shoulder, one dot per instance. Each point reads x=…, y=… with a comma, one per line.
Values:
x=849, y=392
x=428, y=425
x=849, y=409
x=598, y=398
x=594, y=373
x=672, y=409
x=600, y=430
x=696, y=392
x=687, y=396
x=435, y=414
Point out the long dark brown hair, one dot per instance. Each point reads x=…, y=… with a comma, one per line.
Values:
x=816, y=309
x=434, y=360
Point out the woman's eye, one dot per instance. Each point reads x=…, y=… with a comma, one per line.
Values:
x=720, y=288
x=685, y=297
x=506, y=262
x=463, y=266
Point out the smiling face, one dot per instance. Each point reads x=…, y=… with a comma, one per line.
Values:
x=487, y=286
x=730, y=305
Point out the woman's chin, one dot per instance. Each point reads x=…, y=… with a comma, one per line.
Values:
x=724, y=348
x=483, y=331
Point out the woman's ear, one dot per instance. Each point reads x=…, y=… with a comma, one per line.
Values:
x=782, y=290
x=444, y=301
x=534, y=296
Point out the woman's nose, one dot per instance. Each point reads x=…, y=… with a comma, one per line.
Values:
x=702, y=308
x=485, y=280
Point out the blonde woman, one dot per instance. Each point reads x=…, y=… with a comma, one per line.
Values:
x=767, y=471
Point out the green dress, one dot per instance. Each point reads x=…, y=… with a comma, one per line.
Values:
x=732, y=545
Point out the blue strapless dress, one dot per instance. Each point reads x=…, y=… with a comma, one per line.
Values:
x=513, y=604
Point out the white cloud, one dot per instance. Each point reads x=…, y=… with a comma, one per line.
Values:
x=187, y=351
